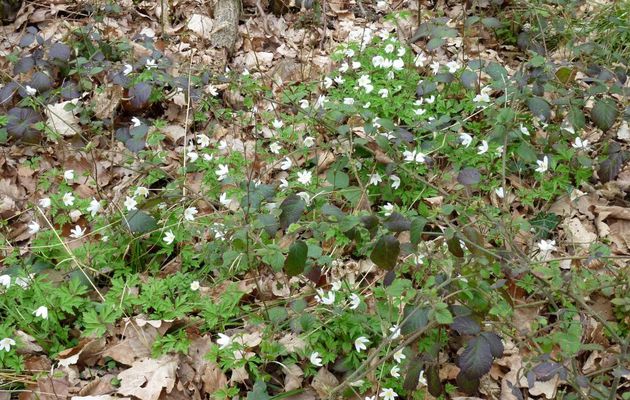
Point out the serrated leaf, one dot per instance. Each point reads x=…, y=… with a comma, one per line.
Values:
x=337, y=178
x=604, y=113
x=434, y=43
x=60, y=51
x=610, y=168
x=490, y=22
x=292, y=208
x=526, y=152
x=465, y=325
x=139, y=222
x=539, y=107
x=469, y=79
x=296, y=259
x=497, y=72
x=467, y=384
x=385, y=252
x=495, y=342
x=455, y=247
x=269, y=224
x=259, y=391
x=397, y=222
x=415, y=318
x=442, y=315
x=469, y=176
x=476, y=359
x=576, y=118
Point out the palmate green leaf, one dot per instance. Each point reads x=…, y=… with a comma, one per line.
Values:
x=442, y=315
x=476, y=359
x=385, y=252
x=604, y=113
x=292, y=208
x=296, y=259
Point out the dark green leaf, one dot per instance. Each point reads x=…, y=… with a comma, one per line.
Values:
x=337, y=178
x=259, y=391
x=576, y=118
x=385, y=252
x=467, y=384
x=490, y=22
x=269, y=224
x=434, y=43
x=455, y=247
x=469, y=176
x=292, y=208
x=604, y=113
x=470, y=80
x=610, y=168
x=415, y=318
x=539, y=107
x=476, y=359
x=296, y=259
x=526, y=152
x=417, y=227
x=433, y=381
x=465, y=325
x=140, y=222
x=413, y=374
x=497, y=72
x=496, y=345
x=332, y=210
x=397, y=222
x=139, y=94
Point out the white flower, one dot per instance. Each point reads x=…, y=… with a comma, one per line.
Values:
x=328, y=82
x=420, y=111
x=222, y=171
x=389, y=48
x=395, y=181
x=224, y=200
x=398, y=64
x=321, y=100
x=452, y=66
x=360, y=343
x=383, y=93
x=580, y=144
x=77, y=232
x=369, y=88
x=194, y=286
x=395, y=371
x=277, y=124
x=387, y=63
x=192, y=156
x=169, y=237
x=364, y=80
x=356, y=65
x=547, y=245
x=336, y=286
x=68, y=199
x=30, y=91
x=33, y=227
x=309, y=141
x=211, y=90
x=275, y=147
x=357, y=383
x=223, y=145
x=543, y=165
x=367, y=105
x=399, y=356
x=224, y=341
x=524, y=130
x=303, y=104
x=189, y=213
x=41, y=312
x=203, y=140
x=388, y=394
x=421, y=379
x=325, y=298
x=127, y=68
x=135, y=122
x=45, y=202
x=388, y=209
x=370, y=397
x=348, y=101
x=68, y=175
x=349, y=53
x=315, y=359
x=24, y=282
x=150, y=63
x=344, y=67
x=286, y=164
x=414, y=156
x=465, y=139
x=5, y=280
x=6, y=343
x=499, y=151
x=130, y=203
x=377, y=61
x=420, y=60
x=94, y=207
x=395, y=330
x=304, y=177
x=430, y=100
x=483, y=147
x=375, y=179
x=435, y=67
x=283, y=183
x=500, y=192
x=355, y=301
x=483, y=96
x=401, y=52
x=141, y=191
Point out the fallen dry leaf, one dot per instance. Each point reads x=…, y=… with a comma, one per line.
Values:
x=61, y=118
x=147, y=377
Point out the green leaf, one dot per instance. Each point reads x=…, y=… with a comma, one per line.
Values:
x=413, y=374
x=539, y=107
x=292, y=208
x=465, y=325
x=604, y=113
x=442, y=315
x=469, y=79
x=259, y=391
x=492, y=23
x=476, y=359
x=415, y=318
x=337, y=178
x=434, y=43
x=576, y=118
x=433, y=381
x=455, y=247
x=296, y=259
x=469, y=176
x=140, y=222
x=497, y=72
x=417, y=227
x=526, y=152
x=386, y=251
